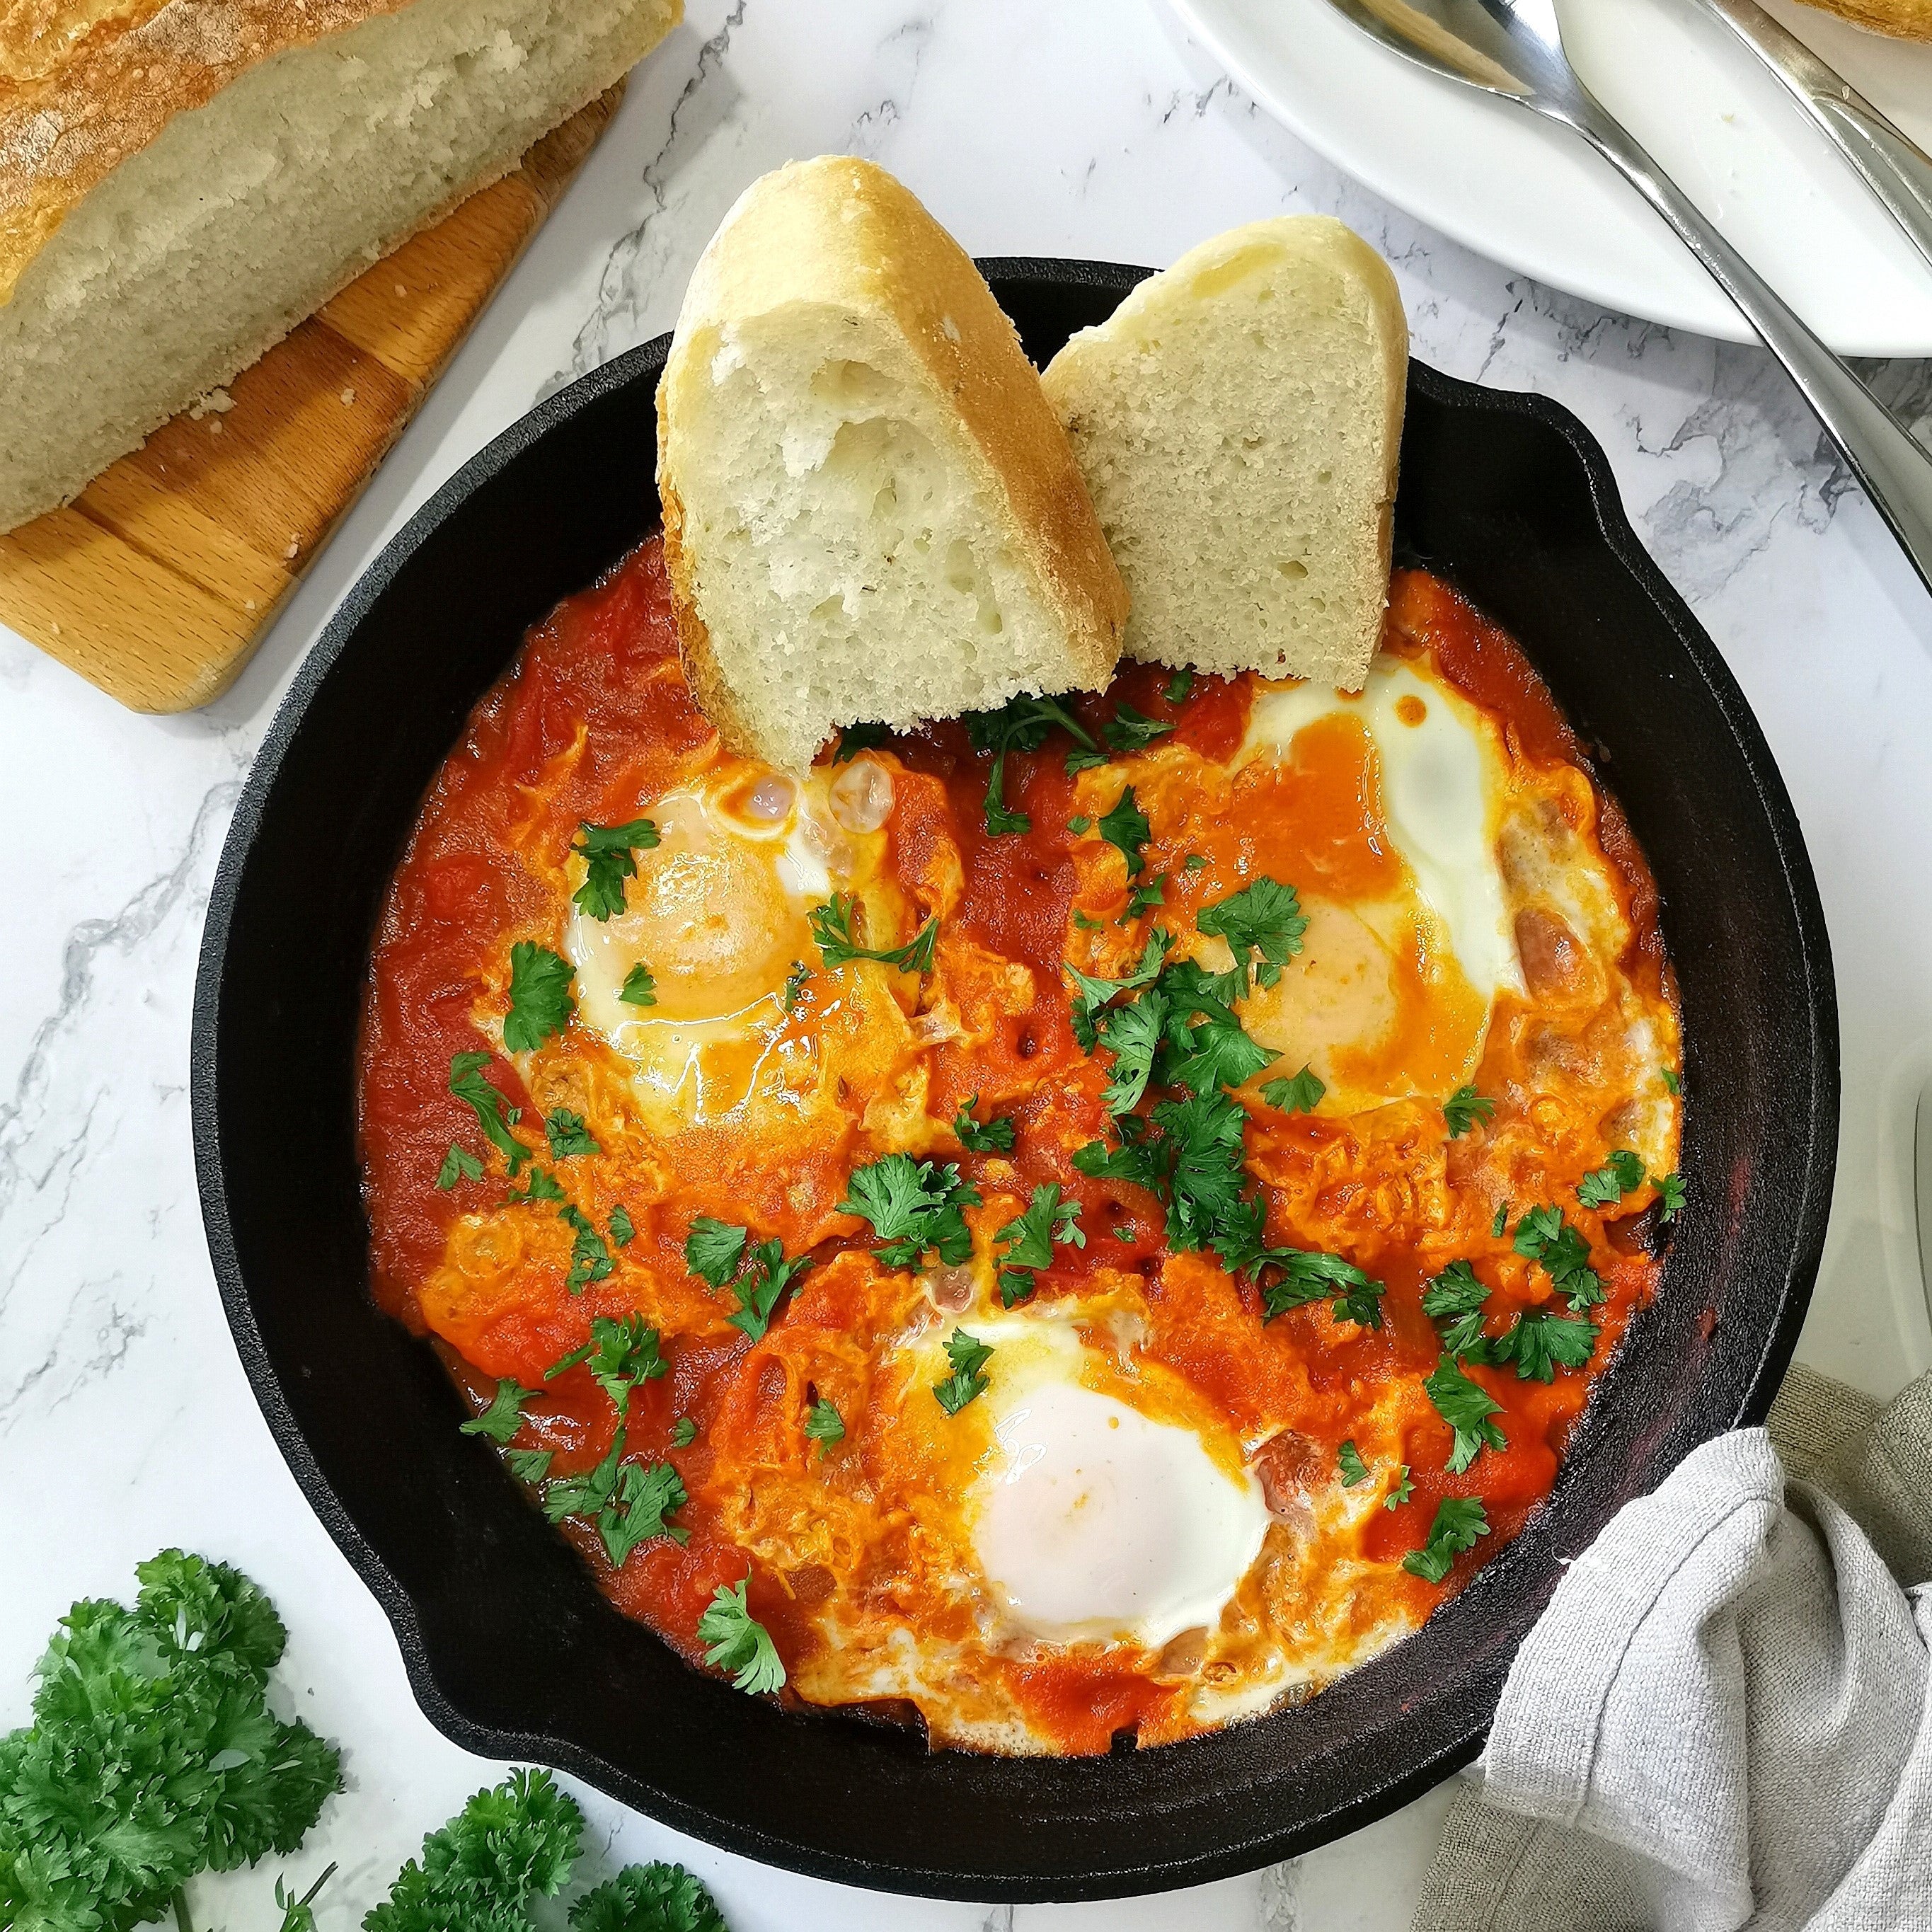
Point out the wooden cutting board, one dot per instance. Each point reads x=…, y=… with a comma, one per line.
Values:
x=157, y=583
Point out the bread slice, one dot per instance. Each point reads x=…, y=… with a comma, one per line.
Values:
x=1910, y=19
x=180, y=184
x=1239, y=420
x=871, y=513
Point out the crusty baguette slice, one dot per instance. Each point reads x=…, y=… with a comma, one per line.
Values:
x=1239, y=419
x=871, y=513
x=181, y=185
x=1910, y=19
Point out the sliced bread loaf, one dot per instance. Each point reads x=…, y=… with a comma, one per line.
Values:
x=181, y=184
x=1238, y=419
x=871, y=514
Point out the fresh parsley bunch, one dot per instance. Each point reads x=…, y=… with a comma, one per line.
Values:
x=153, y=1756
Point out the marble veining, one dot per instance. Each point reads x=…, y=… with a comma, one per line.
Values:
x=1087, y=128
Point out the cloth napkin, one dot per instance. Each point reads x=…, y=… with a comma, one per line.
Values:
x=1724, y=1718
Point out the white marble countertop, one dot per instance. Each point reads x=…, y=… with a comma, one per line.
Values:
x=1082, y=128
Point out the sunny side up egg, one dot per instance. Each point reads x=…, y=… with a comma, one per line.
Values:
x=1145, y=1487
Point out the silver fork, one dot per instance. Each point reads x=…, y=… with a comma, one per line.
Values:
x=1513, y=49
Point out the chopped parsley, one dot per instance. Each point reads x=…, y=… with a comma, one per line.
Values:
x=629, y=1502
x=607, y=851
x=1206, y=1047
x=623, y=1355
x=459, y=1164
x=969, y=1356
x=994, y=1136
x=640, y=988
x=1540, y=1341
x=1463, y=1109
x=494, y=1115
x=1670, y=1192
x=1026, y=1243
x=1348, y=1460
x=568, y=1134
x=1087, y=924
x=738, y=1642
x=713, y=1250
x=831, y=929
x=1298, y=1093
x=1620, y=1174
x=1498, y=1226
x=1091, y=994
x=1145, y=897
x=1132, y=730
x=589, y=1253
x=794, y=984
x=1187, y=1152
x=1132, y=1034
x=914, y=1207
x=1079, y=825
x=824, y=1424
x=684, y=1431
x=1459, y=1521
x=1404, y=1489
x=1127, y=829
x=1021, y=725
x=1543, y=1235
x=758, y=1275
x=1672, y=1079
x=857, y=738
x=1195, y=861
x=1079, y=761
x=1180, y=687
x=540, y=1001
x=1456, y=1297
x=1469, y=1408
x=504, y=1417
x=539, y=1184
x=1263, y=925
x=622, y=1230
x=529, y=1465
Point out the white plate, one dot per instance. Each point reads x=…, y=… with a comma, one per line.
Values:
x=1531, y=196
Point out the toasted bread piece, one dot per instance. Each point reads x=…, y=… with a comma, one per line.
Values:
x=182, y=185
x=871, y=513
x=1238, y=419
x=1910, y=19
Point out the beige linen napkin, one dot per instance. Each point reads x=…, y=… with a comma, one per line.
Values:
x=1724, y=1718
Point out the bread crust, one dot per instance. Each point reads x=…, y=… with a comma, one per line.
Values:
x=840, y=232
x=72, y=111
x=1907, y=19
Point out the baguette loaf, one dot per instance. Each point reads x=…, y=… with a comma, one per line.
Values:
x=181, y=181
x=871, y=513
x=1910, y=19
x=1239, y=422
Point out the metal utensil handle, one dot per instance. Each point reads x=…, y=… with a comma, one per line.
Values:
x=1895, y=470
x=1892, y=164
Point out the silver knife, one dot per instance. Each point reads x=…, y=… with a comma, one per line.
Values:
x=1892, y=165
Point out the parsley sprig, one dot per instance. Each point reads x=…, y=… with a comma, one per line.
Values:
x=1544, y=1236
x=1463, y=1109
x=757, y=1273
x=1469, y=1408
x=1620, y=1174
x=494, y=1115
x=568, y=1134
x=1296, y=1093
x=1540, y=1341
x=541, y=1004
x=504, y=1416
x=1263, y=925
x=153, y=1755
x=993, y=1136
x=969, y=1356
x=629, y=1502
x=1127, y=829
x=1026, y=1243
x=1020, y=725
x=1459, y=1521
x=914, y=1207
x=832, y=929
x=608, y=852
x=1133, y=730
x=824, y=1424
x=738, y=1642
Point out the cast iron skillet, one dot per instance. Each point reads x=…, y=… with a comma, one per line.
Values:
x=511, y=1650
